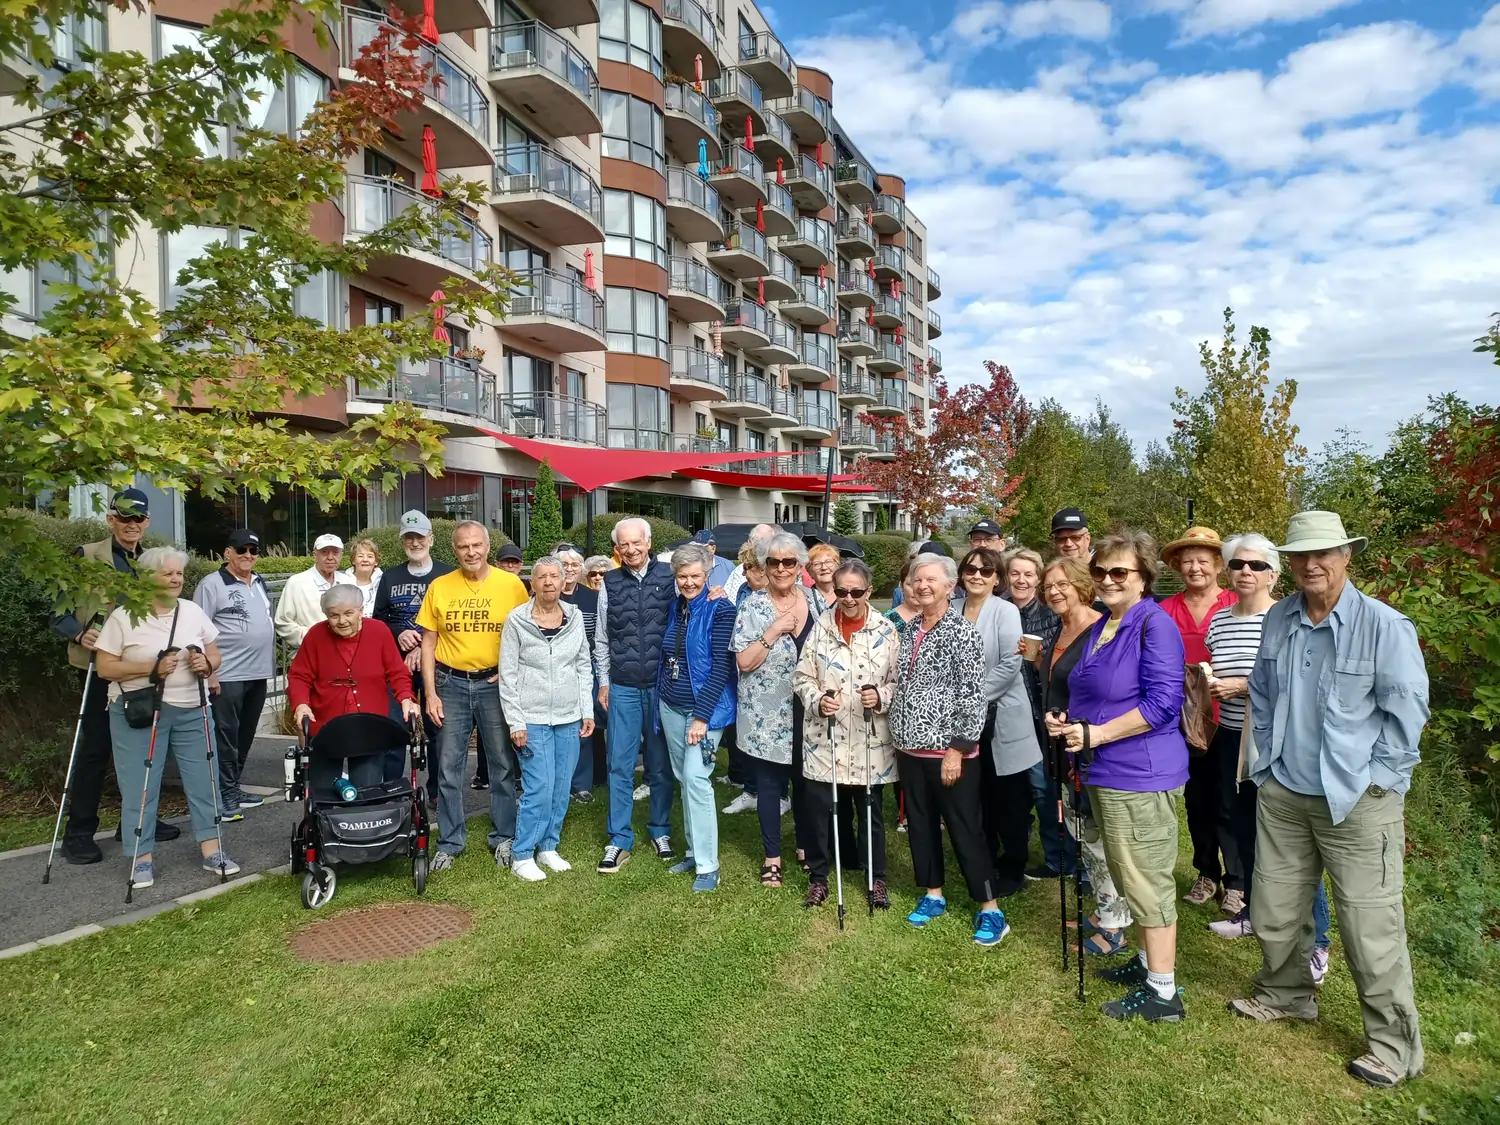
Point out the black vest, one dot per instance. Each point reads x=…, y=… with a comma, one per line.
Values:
x=637, y=619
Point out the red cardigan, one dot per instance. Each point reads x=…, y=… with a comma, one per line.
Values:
x=371, y=660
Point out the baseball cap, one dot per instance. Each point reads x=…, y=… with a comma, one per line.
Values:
x=327, y=539
x=704, y=537
x=242, y=537
x=509, y=551
x=415, y=523
x=1069, y=519
x=130, y=502
x=932, y=547
x=986, y=527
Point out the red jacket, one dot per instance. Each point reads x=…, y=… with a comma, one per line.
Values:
x=324, y=665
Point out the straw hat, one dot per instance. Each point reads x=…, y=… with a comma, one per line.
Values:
x=1319, y=531
x=1205, y=537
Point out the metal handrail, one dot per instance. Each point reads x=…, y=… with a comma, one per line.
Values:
x=856, y=384
x=810, y=414
x=779, y=199
x=858, y=283
x=696, y=443
x=893, y=393
x=852, y=227
x=783, y=267
x=517, y=46
x=778, y=130
x=694, y=276
x=750, y=388
x=933, y=279
x=806, y=168
x=891, y=351
x=808, y=101
x=815, y=291
x=699, y=366
x=890, y=205
x=694, y=18
x=736, y=83
x=546, y=414
x=933, y=319
x=817, y=231
x=892, y=257
x=764, y=45
x=854, y=170
x=742, y=236
x=551, y=173
x=857, y=331
x=934, y=359
x=857, y=433
x=449, y=385
x=687, y=186
x=687, y=100
x=550, y=293
x=816, y=353
x=448, y=81
x=740, y=159
x=782, y=334
x=375, y=201
x=746, y=314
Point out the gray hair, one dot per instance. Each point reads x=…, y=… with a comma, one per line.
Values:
x=776, y=544
x=692, y=554
x=950, y=568
x=1024, y=554
x=643, y=526
x=596, y=564
x=763, y=531
x=548, y=560
x=458, y=527
x=1253, y=541
x=855, y=566
x=568, y=553
x=154, y=558
x=345, y=595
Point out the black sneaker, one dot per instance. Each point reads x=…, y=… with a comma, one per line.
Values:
x=1130, y=972
x=583, y=797
x=663, y=846
x=1042, y=871
x=614, y=859
x=1144, y=1004
x=1007, y=889
x=477, y=782
x=81, y=850
x=164, y=831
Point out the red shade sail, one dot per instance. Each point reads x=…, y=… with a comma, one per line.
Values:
x=590, y=467
x=429, y=162
x=439, y=331
x=589, y=280
x=429, y=24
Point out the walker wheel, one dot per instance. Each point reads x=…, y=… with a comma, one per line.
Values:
x=419, y=873
x=318, y=891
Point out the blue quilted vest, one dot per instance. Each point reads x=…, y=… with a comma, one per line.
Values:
x=700, y=632
x=637, y=620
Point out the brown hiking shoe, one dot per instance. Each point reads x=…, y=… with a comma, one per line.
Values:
x=1252, y=1009
x=1373, y=1072
x=817, y=895
x=1202, y=890
x=1234, y=902
x=880, y=898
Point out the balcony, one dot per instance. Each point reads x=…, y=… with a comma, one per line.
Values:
x=856, y=389
x=556, y=313
x=466, y=15
x=855, y=182
x=695, y=443
x=783, y=409
x=857, y=437
x=784, y=280
x=812, y=245
x=934, y=324
x=813, y=304
x=698, y=375
x=537, y=69
x=374, y=202
x=688, y=33
x=537, y=188
x=856, y=238
x=890, y=264
x=814, y=363
x=748, y=396
x=774, y=141
x=888, y=214
x=463, y=394
x=813, y=421
x=857, y=290
x=778, y=214
x=737, y=95
x=811, y=186
x=885, y=449
x=763, y=57
x=739, y=179
x=692, y=207
x=783, y=343
x=891, y=399
x=745, y=325
x=889, y=312
x=552, y=417
x=741, y=253
x=857, y=339
x=689, y=118
x=635, y=438
x=809, y=116
x=934, y=361
x=694, y=292
x=934, y=284
x=453, y=103
x=889, y=357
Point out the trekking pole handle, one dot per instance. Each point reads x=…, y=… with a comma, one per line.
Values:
x=869, y=713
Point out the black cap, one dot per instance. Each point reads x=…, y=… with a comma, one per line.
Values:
x=509, y=551
x=130, y=502
x=986, y=527
x=932, y=547
x=242, y=537
x=1069, y=519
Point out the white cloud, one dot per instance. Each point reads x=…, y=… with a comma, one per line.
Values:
x=1221, y=17
x=982, y=24
x=1141, y=181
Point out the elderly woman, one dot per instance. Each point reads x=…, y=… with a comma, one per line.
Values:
x=364, y=571
x=845, y=678
x=768, y=636
x=937, y=715
x=547, y=694
x=1197, y=557
x=741, y=771
x=1009, y=746
x=695, y=684
x=593, y=571
x=822, y=561
x=171, y=649
x=1124, y=709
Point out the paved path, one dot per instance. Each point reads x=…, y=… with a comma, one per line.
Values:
x=94, y=895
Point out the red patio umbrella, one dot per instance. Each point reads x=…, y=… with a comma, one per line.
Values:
x=749, y=135
x=760, y=291
x=870, y=268
x=820, y=154
x=869, y=215
x=429, y=162
x=822, y=274
x=698, y=73
x=589, y=280
x=894, y=291
x=870, y=315
x=900, y=333
x=439, y=332
x=780, y=175
x=760, y=215
x=429, y=24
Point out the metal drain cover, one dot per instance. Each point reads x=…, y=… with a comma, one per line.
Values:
x=379, y=933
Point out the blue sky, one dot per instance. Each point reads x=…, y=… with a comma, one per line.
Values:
x=1101, y=179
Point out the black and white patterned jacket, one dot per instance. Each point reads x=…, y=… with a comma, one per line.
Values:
x=939, y=702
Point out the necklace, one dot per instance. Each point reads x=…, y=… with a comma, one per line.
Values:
x=473, y=589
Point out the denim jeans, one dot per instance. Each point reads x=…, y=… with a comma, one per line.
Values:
x=631, y=716
x=1056, y=852
x=470, y=705
x=547, y=762
x=587, y=772
x=1322, y=917
x=179, y=732
x=696, y=776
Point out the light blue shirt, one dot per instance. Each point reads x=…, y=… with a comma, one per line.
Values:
x=1358, y=720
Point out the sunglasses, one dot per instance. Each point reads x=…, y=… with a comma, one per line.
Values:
x=840, y=592
x=248, y=549
x=1116, y=574
x=1260, y=566
x=781, y=564
x=129, y=519
x=982, y=571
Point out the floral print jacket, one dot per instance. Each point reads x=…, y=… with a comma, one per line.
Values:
x=863, y=749
x=763, y=727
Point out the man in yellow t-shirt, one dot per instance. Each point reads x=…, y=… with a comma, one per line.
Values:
x=461, y=617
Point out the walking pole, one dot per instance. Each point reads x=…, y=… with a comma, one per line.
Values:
x=140, y=819
x=62, y=804
x=838, y=869
x=869, y=808
x=1059, y=767
x=1083, y=754
x=213, y=766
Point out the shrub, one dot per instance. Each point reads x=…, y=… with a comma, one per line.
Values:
x=546, y=516
x=845, y=517
x=662, y=532
x=884, y=553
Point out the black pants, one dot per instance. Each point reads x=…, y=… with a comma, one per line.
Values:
x=852, y=843
x=798, y=782
x=929, y=805
x=1210, y=801
x=770, y=786
x=95, y=756
x=237, y=706
x=1242, y=804
x=1005, y=807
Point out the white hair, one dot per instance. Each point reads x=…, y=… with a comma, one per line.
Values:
x=643, y=526
x=345, y=594
x=781, y=541
x=548, y=560
x=154, y=558
x=458, y=527
x=567, y=553
x=950, y=568
x=596, y=564
x=763, y=531
x=1253, y=541
x=692, y=554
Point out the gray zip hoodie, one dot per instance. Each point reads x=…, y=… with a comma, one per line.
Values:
x=545, y=681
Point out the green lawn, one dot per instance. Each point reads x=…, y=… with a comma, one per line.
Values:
x=628, y=999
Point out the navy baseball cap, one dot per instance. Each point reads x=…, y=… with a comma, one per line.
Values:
x=509, y=551
x=932, y=547
x=704, y=537
x=1069, y=519
x=242, y=537
x=986, y=527
x=130, y=502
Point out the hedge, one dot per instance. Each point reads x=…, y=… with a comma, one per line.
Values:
x=662, y=532
x=885, y=552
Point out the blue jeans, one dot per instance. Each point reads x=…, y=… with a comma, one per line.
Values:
x=584, y=777
x=1322, y=918
x=700, y=819
x=547, y=762
x=179, y=732
x=470, y=705
x=631, y=717
x=1056, y=852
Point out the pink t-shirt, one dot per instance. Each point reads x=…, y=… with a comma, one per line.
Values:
x=1195, y=633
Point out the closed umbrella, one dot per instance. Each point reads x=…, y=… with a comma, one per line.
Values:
x=820, y=154
x=760, y=215
x=760, y=291
x=429, y=162
x=698, y=73
x=749, y=135
x=780, y=175
x=439, y=332
x=429, y=24
x=589, y=280
x=716, y=338
x=870, y=268
x=703, y=159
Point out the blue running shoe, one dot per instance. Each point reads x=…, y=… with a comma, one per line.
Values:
x=927, y=909
x=990, y=927
x=706, y=882
x=682, y=867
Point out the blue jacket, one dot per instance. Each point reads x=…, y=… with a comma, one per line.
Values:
x=701, y=655
x=632, y=621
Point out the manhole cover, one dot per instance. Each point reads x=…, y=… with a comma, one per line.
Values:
x=379, y=933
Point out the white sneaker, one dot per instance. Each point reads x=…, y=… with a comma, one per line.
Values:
x=641, y=792
x=786, y=805
x=554, y=862
x=743, y=803
x=1318, y=965
x=1232, y=928
x=528, y=870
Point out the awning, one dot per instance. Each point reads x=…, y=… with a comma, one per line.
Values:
x=590, y=467
x=786, y=482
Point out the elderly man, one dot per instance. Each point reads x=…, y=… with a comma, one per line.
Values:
x=1338, y=700
x=986, y=533
x=722, y=569
x=298, y=609
x=127, y=517
x=238, y=603
x=760, y=533
x=633, y=608
x=1070, y=534
x=462, y=615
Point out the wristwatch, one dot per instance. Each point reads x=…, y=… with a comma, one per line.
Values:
x=1376, y=790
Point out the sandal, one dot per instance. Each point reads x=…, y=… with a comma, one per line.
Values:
x=1091, y=925
x=1103, y=943
x=770, y=876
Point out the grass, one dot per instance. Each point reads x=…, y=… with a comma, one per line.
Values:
x=628, y=999
x=28, y=818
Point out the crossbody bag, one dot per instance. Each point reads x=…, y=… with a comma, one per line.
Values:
x=142, y=704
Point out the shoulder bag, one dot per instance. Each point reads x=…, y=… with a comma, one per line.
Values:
x=142, y=704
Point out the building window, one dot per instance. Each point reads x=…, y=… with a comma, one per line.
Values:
x=526, y=375
x=688, y=511
x=639, y=417
x=519, y=255
x=914, y=244
x=635, y=321
x=755, y=440
x=380, y=311
x=914, y=289
x=633, y=130
x=630, y=33
x=913, y=329
x=635, y=226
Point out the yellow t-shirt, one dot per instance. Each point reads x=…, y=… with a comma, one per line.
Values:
x=467, y=616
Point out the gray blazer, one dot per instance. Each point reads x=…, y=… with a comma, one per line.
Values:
x=1013, y=745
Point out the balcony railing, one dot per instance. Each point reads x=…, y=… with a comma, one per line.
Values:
x=549, y=293
x=851, y=171
x=856, y=384
x=810, y=464
x=751, y=389
x=886, y=305
x=858, y=283
x=548, y=172
x=778, y=130
x=375, y=201
x=811, y=414
x=816, y=352
x=700, y=367
x=809, y=103
x=778, y=198
x=783, y=335
x=892, y=258
x=448, y=385
x=815, y=291
x=686, y=186
x=696, y=443
x=933, y=279
x=742, y=160
x=694, y=17
x=817, y=231
x=934, y=359
x=746, y=314
x=784, y=268
x=742, y=236
x=934, y=320
x=891, y=351
x=890, y=205
x=543, y=414
x=885, y=444
x=764, y=45
x=736, y=83
x=857, y=332
x=631, y=437
x=856, y=433
x=853, y=228
x=807, y=168
x=687, y=100
x=449, y=83
x=893, y=393
x=517, y=46
x=695, y=277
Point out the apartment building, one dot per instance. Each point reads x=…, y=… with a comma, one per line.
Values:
x=709, y=263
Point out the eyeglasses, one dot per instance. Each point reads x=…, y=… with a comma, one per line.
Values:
x=1116, y=574
x=782, y=564
x=1050, y=587
x=840, y=592
x=1260, y=566
x=982, y=571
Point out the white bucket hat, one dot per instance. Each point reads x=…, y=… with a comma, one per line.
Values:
x=1319, y=531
